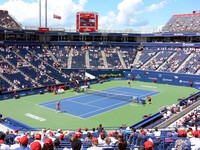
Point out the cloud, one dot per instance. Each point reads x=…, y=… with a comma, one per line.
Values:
x=27, y=12
x=156, y=6
x=124, y=17
x=128, y=14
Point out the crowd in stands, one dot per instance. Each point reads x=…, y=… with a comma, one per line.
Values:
x=99, y=139
x=158, y=60
x=146, y=54
x=95, y=58
x=174, y=62
x=7, y=22
x=183, y=23
x=112, y=57
x=168, y=59
x=192, y=66
x=128, y=54
x=36, y=66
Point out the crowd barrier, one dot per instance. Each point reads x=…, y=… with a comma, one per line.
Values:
x=164, y=78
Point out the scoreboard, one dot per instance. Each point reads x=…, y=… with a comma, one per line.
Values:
x=87, y=22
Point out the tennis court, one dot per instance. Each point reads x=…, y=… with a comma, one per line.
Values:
x=97, y=102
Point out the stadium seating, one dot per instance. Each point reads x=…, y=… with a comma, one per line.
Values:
x=183, y=23
x=7, y=22
x=25, y=67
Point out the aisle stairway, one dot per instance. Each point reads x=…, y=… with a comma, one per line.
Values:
x=139, y=53
x=69, y=64
x=166, y=61
x=121, y=59
x=183, y=64
x=104, y=59
x=87, y=59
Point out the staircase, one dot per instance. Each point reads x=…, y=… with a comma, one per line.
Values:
x=69, y=64
x=52, y=56
x=104, y=59
x=7, y=80
x=137, y=57
x=149, y=60
x=166, y=61
x=121, y=59
x=23, y=72
x=188, y=58
x=87, y=59
x=198, y=72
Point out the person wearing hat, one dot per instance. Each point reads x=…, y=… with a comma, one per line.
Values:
x=149, y=99
x=183, y=141
x=94, y=145
x=35, y=146
x=195, y=140
x=85, y=131
x=148, y=145
x=38, y=138
x=23, y=142
x=48, y=144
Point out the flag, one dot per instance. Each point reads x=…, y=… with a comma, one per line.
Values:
x=56, y=16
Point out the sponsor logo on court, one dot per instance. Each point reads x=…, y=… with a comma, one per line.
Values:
x=169, y=80
x=34, y=117
x=197, y=83
x=182, y=81
x=137, y=76
x=151, y=78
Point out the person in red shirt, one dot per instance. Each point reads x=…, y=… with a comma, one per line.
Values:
x=155, y=80
x=133, y=77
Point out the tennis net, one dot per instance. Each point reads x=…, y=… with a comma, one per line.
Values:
x=128, y=98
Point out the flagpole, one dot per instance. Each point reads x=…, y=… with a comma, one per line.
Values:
x=46, y=13
x=53, y=22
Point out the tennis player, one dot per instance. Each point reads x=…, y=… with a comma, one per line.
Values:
x=58, y=107
x=149, y=99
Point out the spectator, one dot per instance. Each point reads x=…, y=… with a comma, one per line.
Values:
x=148, y=145
x=94, y=145
x=35, y=146
x=56, y=144
x=48, y=144
x=183, y=141
x=23, y=141
x=88, y=137
x=100, y=128
x=122, y=143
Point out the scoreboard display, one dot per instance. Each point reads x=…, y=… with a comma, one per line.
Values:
x=87, y=22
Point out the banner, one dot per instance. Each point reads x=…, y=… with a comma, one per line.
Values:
x=56, y=16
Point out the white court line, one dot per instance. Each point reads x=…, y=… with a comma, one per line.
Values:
x=61, y=112
x=102, y=109
x=98, y=108
x=154, y=87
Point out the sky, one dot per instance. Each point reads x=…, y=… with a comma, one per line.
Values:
x=139, y=15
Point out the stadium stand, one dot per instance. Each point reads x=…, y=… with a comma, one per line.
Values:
x=30, y=65
x=7, y=22
x=183, y=23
